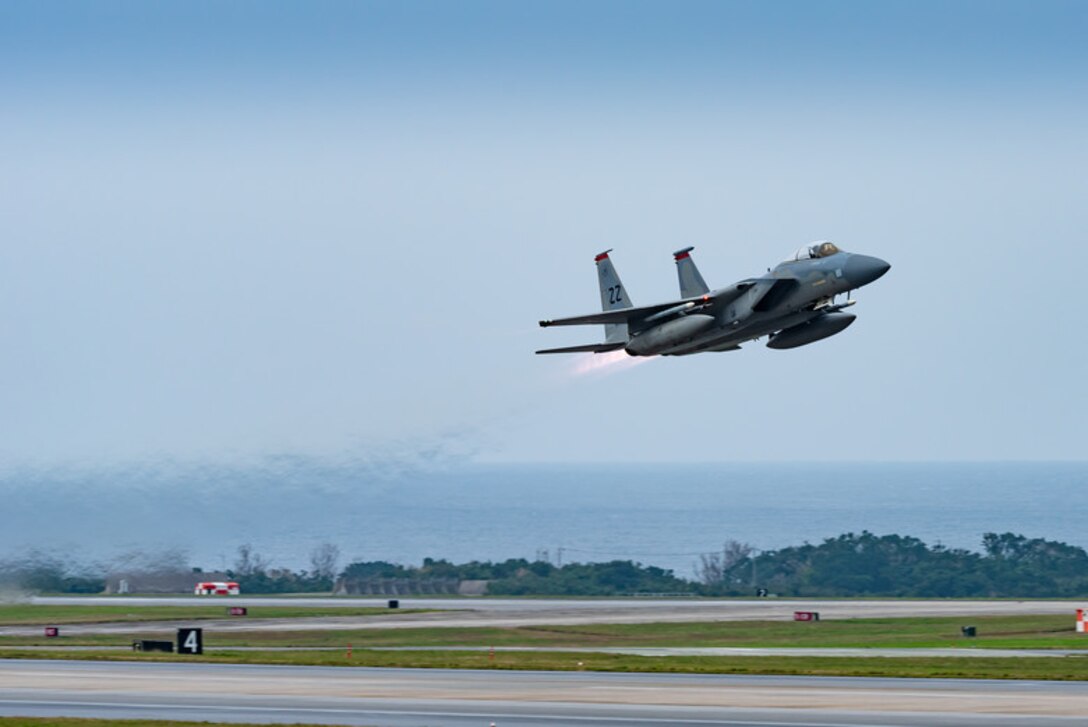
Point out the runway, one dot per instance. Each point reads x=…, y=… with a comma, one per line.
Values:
x=905, y=652
x=735, y=608
x=509, y=612
x=466, y=698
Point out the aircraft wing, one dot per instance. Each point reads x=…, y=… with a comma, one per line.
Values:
x=723, y=296
x=619, y=315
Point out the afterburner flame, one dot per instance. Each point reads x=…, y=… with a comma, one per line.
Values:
x=606, y=363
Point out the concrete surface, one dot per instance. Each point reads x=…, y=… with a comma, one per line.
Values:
x=463, y=698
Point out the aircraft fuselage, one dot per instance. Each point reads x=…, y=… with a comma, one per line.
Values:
x=787, y=296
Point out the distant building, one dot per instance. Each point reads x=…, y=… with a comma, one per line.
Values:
x=216, y=588
x=472, y=588
x=409, y=587
x=160, y=582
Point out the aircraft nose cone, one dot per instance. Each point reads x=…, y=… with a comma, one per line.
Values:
x=864, y=269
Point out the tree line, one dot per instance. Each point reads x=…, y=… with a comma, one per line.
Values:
x=865, y=564
x=850, y=564
x=521, y=577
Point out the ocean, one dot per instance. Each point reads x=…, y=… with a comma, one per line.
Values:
x=659, y=514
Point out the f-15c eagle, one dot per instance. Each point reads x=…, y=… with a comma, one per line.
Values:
x=794, y=304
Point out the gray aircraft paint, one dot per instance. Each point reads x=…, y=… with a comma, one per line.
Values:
x=794, y=304
x=691, y=282
x=613, y=297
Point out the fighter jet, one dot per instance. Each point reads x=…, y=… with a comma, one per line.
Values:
x=794, y=304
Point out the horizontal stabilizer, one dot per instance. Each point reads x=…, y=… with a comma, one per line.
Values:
x=620, y=315
x=588, y=348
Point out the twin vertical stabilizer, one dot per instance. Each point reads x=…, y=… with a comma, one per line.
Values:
x=615, y=303
x=613, y=297
x=691, y=282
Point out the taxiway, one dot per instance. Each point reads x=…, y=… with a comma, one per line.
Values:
x=468, y=698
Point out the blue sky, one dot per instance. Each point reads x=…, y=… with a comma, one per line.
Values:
x=330, y=228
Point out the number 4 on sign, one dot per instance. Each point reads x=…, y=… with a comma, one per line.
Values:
x=190, y=641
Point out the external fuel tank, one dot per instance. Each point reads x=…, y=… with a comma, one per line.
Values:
x=826, y=325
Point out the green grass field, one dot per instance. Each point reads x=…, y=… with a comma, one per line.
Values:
x=30, y=614
x=1034, y=632
x=1006, y=632
x=1065, y=669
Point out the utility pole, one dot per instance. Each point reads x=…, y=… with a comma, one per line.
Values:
x=559, y=559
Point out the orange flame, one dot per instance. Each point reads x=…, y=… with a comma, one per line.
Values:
x=606, y=363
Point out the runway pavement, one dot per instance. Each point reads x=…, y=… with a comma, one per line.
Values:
x=851, y=653
x=736, y=608
x=465, y=698
x=498, y=612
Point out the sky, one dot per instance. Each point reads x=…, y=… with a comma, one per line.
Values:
x=257, y=229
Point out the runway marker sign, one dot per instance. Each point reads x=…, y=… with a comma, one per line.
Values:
x=191, y=641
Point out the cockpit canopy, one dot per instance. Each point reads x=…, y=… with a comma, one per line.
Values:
x=816, y=250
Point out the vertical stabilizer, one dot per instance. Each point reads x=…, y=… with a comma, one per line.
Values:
x=691, y=282
x=613, y=296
